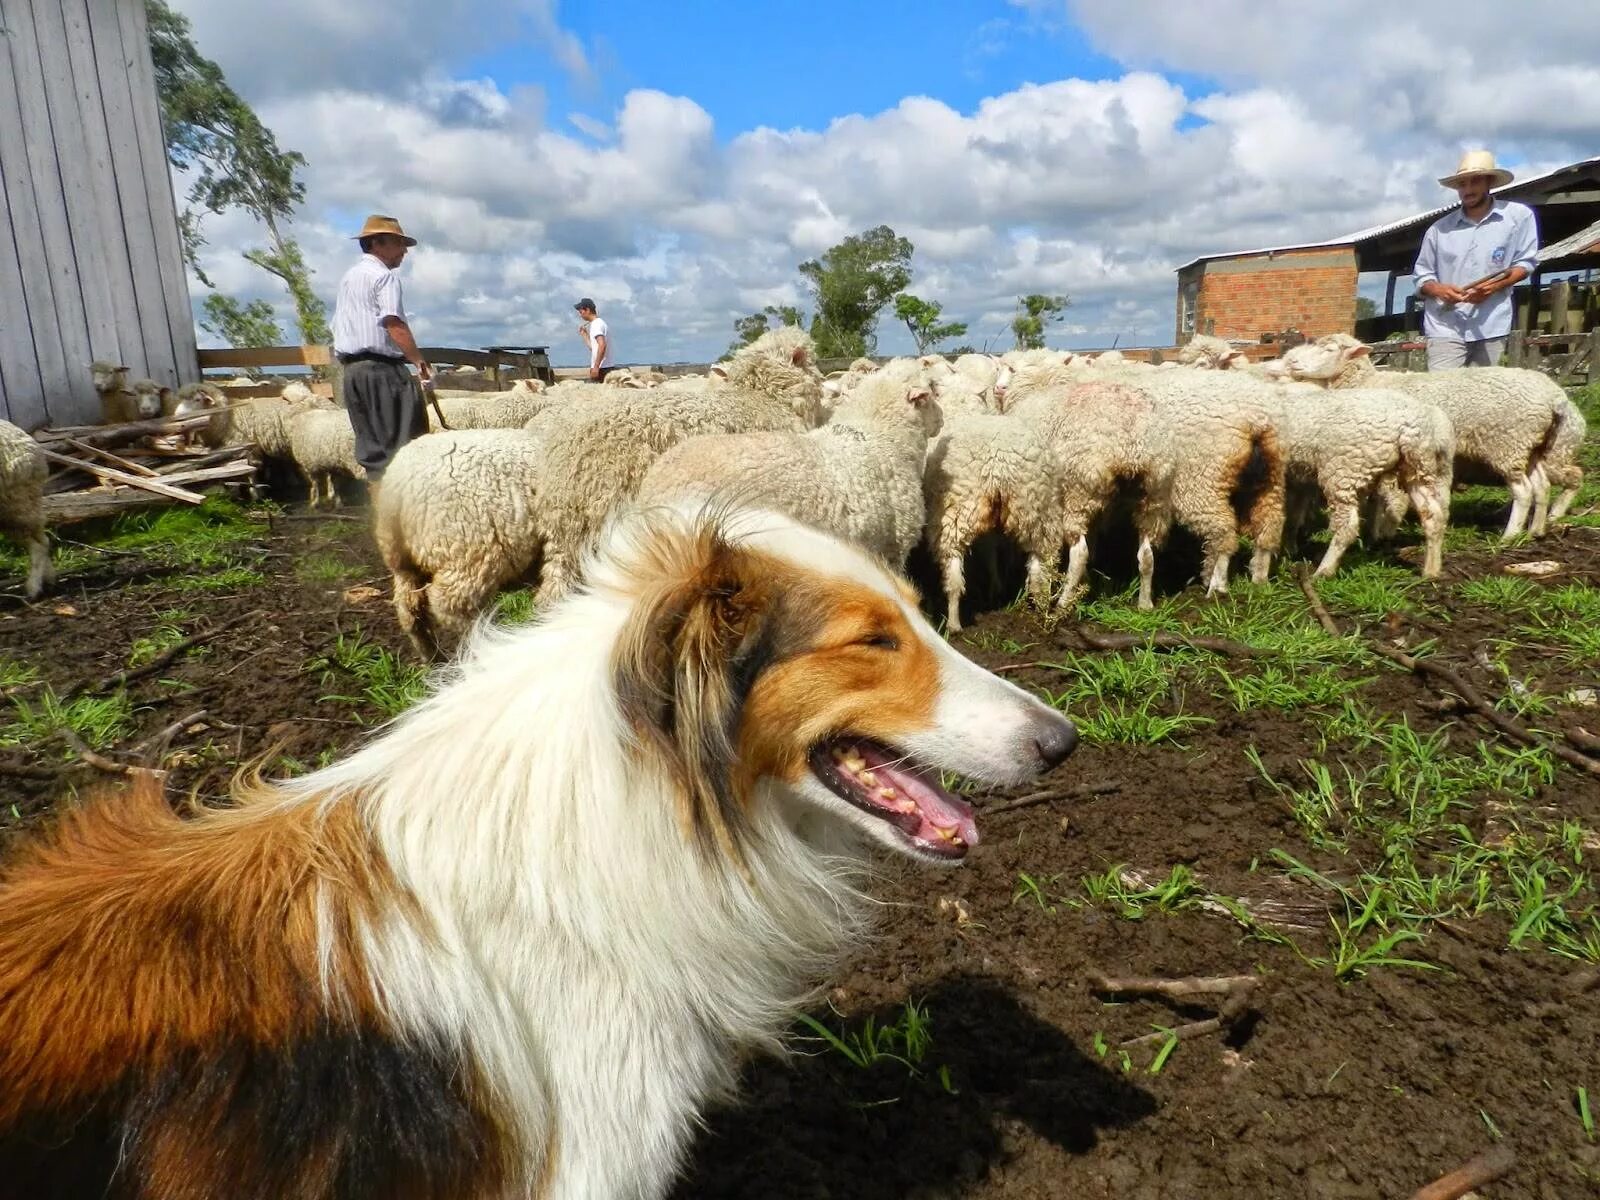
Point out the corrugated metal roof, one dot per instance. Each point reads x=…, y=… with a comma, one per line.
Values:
x=1512, y=189
x=1585, y=241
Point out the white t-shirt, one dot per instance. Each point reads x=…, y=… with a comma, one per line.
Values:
x=597, y=328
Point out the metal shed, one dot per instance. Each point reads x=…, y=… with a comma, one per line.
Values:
x=91, y=266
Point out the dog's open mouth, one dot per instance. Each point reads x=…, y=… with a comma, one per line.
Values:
x=880, y=781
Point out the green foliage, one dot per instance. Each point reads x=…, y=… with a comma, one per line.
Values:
x=99, y=720
x=1034, y=312
x=236, y=324
x=515, y=607
x=850, y=285
x=773, y=316
x=232, y=159
x=1366, y=308
x=387, y=684
x=922, y=319
x=905, y=1041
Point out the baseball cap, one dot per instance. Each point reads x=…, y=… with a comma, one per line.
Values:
x=584, y=303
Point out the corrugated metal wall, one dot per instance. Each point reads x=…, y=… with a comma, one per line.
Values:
x=90, y=262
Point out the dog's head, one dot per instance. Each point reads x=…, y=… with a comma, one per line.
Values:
x=760, y=654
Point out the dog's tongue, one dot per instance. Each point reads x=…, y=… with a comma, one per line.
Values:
x=943, y=817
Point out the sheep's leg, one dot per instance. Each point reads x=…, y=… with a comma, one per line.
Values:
x=1432, y=518
x=1077, y=567
x=41, y=572
x=1541, y=501
x=955, y=584
x=1038, y=579
x=1147, y=575
x=331, y=483
x=1344, y=526
x=1563, y=501
x=1521, y=501
x=1260, y=564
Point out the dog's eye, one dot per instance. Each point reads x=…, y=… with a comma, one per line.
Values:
x=882, y=641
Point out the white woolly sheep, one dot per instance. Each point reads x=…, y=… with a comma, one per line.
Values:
x=1211, y=353
x=1506, y=419
x=859, y=476
x=121, y=401
x=458, y=519
x=599, y=449
x=22, y=474
x=322, y=444
x=196, y=398
x=263, y=421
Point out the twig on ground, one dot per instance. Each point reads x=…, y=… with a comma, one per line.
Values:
x=1237, y=989
x=98, y=761
x=1451, y=678
x=18, y=770
x=1583, y=739
x=1164, y=641
x=159, y=662
x=1033, y=798
x=154, y=748
x=1486, y=1168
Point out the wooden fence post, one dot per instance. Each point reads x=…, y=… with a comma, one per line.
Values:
x=1516, y=348
x=335, y=370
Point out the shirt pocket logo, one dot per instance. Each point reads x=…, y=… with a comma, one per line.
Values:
x=1498, y=258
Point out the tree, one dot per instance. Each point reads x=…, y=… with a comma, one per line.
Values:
x=1366, y=308
x=1035, y=311
x=850, y=285
x=922, y=319
x=748, y=329
x=236, y=324
x=235, y=161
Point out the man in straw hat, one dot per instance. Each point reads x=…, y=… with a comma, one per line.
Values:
x=1470, y=260
x=374, y=342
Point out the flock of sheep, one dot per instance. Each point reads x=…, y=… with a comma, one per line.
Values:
x=1033, y=444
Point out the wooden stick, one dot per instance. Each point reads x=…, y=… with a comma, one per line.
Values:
x=1583, y=739
x=128, y=431
x=116, y=476
x=1174, y=989
x=161, y=661
x=153, y=748
x=1453, y=679
x=1486, y=1168
x=115, y=460
x=1033, y=798
x=1165, y=641
x=98, y=761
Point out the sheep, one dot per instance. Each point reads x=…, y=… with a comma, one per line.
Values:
x=600, y=448
x=1559, y=462
x=322, y=444
x=22, y=474
x=263, y=421
x=858, y=477
x=1354, y=446
x=196, y=398
x=510, y=409
x=457, y=519
x=1506, y=419
x=1215, y=430
x=1211, y=353
x=985, y=472
x=120, y=401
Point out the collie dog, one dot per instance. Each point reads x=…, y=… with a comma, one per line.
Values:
x=515, y=944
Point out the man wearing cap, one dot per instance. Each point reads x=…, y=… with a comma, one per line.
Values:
x=374, y=342
x=1470, y=260
x=597, y=337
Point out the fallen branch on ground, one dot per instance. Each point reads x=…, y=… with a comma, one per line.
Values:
x=1237, y=989
x=1451, y=678
x=1033, y=798
x=155, y=748
x=1164, y=641
x=1583, y=739
x=1486, y=1168
x=161, y=661
x=98, y=761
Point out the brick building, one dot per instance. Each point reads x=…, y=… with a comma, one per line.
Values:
x=1249, y=294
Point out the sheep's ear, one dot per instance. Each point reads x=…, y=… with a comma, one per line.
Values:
x=718, y=371
x=696, y=642
x=798, y=358
x=919, y=398
x=1358, y=351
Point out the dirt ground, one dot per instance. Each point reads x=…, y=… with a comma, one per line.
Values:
x=1347, y=1074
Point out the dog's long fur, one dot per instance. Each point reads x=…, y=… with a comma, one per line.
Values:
x=515, y=944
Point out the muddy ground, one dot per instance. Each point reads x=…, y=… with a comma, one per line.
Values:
x=1339, y=1078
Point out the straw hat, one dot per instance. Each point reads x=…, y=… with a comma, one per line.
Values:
x=376, y=225
x=1478, y=162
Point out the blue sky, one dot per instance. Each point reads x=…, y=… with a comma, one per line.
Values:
x=678, y=161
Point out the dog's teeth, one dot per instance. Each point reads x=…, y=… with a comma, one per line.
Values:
x=948, y=835
x=957, y=841
x=906, y=804
x=868, y=778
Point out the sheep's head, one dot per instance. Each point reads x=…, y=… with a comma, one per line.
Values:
x=1322, y=361
x=147, y=398
x=891, y=399
x=297, y=393
x=108, y=377
x=194, y=398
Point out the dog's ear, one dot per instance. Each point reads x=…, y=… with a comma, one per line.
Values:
x=699, y=636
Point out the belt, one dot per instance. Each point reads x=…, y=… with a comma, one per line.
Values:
x=369, y=356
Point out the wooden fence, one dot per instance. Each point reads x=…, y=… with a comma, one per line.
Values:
x=496, y=367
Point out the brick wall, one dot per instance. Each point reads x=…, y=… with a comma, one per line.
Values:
x=1312, y=291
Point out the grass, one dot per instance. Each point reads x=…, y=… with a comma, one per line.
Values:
x=1121, y=697
x=1113, y=889
x=203, y=535
x=221, y=581
x=15, y=674
x=101, y=721
x=168, y=632
x=515, y=607
x=905, y=1041
x=1371, y=590
x=326, y=568
x=387, y=684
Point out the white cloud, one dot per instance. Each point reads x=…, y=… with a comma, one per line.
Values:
x=1320, y=122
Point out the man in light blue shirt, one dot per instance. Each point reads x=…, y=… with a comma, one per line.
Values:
x=1467, y=315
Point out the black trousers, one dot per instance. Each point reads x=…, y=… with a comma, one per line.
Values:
x=385, y=410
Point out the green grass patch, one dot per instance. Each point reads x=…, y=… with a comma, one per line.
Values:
x=515, y=607
x=203, y=535
x=326, y=568
x=1503, y=593
x=217, y=581
x=1124, y=697
x=903, y=1042
x=15, y=674
x=1115, y=889
x=386, y=683
x=101, y=721
x=1371, y=590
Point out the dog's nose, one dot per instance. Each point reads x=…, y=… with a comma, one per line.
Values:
x=1055, y=741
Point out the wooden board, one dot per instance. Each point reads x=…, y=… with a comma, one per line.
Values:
x=21, y=388
x=16, y=177
x=264, y=356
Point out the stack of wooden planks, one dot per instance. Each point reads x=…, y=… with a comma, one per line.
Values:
x=98, y=470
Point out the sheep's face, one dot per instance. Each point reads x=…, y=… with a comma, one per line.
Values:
x=147, y=399
x=108, y=378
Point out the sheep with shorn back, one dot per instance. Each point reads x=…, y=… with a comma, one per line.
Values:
x=22, y=474
x=1516, y=424
x=859, y=476
x=599, y=450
